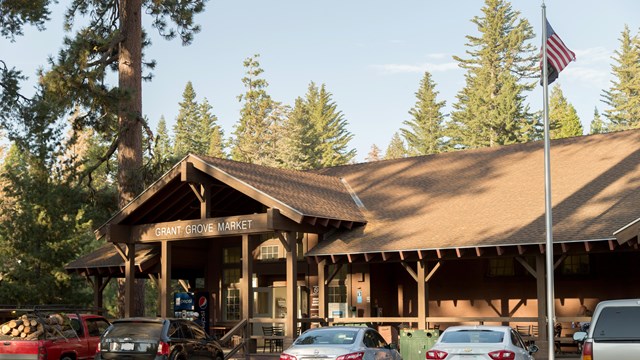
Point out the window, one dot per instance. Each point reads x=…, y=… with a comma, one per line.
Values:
x=576, y=265
x=337, y=294
x=501, y=267
x=231, y=255
x=269, y=252
x=231, y=274
x=96, y=327
x=231, y=277
x=232, y=304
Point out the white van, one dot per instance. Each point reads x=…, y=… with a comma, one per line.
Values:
x=614, y=333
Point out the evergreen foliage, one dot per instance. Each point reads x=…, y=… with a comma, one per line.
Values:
x=161, y=159
x=187, y=133
x=490, y=109
x=331, y=134
x=563, y=118
x=396, y=148
x=252, y=142
x=426, y=130
x=623, y=97
x=374, y=154
x=598, y=126
x=46, y=218
x=298, y=139
x=14, y=15
x=212, y=134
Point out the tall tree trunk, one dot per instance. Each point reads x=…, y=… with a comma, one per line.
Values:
x=130, y=116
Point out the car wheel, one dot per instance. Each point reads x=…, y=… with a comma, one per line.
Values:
x=66, y=357
x=219, y=357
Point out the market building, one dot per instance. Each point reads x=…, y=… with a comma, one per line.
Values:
x=423, y=242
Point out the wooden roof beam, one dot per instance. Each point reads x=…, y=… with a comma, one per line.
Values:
x=409, y=270
x=479, y=251
x=420, y=255
x=323, y=222
x=521, y=250
x=500, y=250
x=588, y=246
x=369, y=256
x=612, y=245
x=335, y=223
x=439, y=253
x=564, y=247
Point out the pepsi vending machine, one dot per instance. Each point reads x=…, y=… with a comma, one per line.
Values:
x=193, y=306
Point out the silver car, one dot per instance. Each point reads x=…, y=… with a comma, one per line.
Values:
x=480, y=342
x=341, y=343
x=614, y=333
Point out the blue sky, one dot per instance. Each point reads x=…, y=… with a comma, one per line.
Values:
x=371, y=55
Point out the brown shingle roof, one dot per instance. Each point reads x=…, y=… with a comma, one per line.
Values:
x=106, y=260
x=493, y=196
x=310, y=194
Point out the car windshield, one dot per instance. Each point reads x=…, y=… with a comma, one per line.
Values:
x=472, y=336
x=617, y=323
x=327, y=337
x=144, y=330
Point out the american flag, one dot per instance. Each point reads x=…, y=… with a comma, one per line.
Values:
x=558, y=55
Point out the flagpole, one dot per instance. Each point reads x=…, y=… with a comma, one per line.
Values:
x=547, y=191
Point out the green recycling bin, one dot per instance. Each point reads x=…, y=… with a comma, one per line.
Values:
x=414, y=343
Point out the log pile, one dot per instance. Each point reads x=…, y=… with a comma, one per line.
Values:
x=31, y=327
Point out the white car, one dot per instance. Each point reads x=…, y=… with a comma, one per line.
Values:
x=341, y=343
x=480, y=342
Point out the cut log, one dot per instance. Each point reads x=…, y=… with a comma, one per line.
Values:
x=15, y=333
x=27, y=330
x=6, y=329
x=35, y=335
x=23, y=335
x=15, y=323
x=21, y=328
x=33, y=322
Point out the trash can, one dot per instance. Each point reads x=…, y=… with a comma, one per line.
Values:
x=414, y=343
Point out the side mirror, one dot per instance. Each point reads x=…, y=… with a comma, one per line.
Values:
x=579, y=336
x=533, y=349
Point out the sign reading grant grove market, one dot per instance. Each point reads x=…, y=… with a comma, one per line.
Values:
x=201, y=228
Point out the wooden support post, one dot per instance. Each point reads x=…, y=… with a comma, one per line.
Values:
x=205, y=206
x=246, y=288
x=97, y=292
x=292, y=287
x=322, y=302
x=165, y=279
x=422, y=295
x=130, y=279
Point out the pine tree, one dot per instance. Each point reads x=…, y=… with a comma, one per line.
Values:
x=186, y=137
x=374, y=154
x=332, y=136
x=396, y=148
x=425, y=134
x=212, y=134
x=490, y=110
x=161, y=158
x=598, y=126
x=624, y=94
x=563, y=118
x=251, y=134
x=111, y=39
x=298, y=139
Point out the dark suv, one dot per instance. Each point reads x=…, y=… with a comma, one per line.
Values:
x=157, y=339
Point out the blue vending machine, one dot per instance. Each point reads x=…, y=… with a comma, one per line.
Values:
x=193, y=306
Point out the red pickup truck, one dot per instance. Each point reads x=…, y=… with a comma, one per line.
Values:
x=77, y=341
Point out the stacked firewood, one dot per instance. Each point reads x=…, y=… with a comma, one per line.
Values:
x=31, y=327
